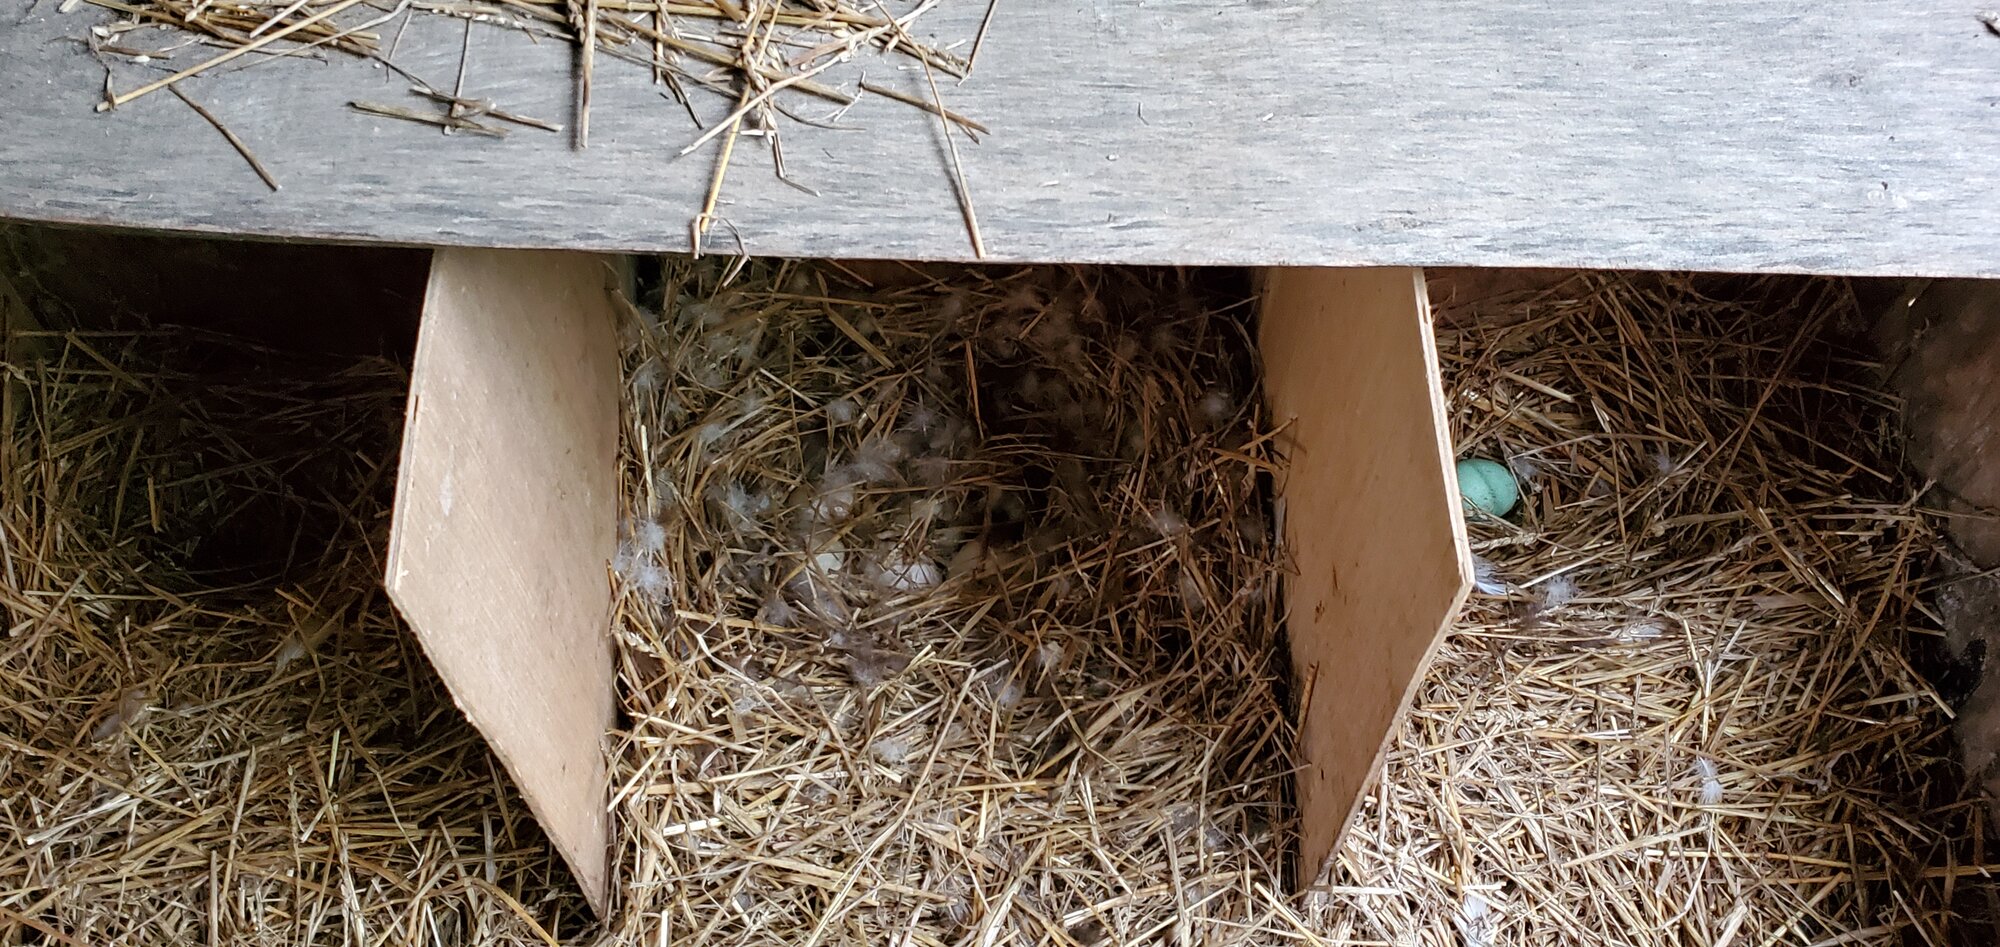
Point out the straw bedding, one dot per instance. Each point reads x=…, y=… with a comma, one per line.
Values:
x=947, y=616
x=1682, y=709
x=212, y=728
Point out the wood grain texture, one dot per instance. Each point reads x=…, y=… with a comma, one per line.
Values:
x=1371, y=518
x=506, y=515
x=1852, y=136
x=1942, y=342
x=16, y=348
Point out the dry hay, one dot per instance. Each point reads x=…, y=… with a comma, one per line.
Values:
x=212, y=728
x=948, y=614
x=1681, y=711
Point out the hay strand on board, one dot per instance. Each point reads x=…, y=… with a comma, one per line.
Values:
x=249, y=157
x=246, y=48
x=755, y=55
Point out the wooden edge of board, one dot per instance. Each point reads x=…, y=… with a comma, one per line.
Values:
x=505, y=517
x=17, y=344
x=1372, y=521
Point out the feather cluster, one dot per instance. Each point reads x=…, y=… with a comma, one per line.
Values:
x=974, y=533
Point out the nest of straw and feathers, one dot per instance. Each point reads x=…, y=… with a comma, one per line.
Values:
x=949, y=612
x=1682, y=708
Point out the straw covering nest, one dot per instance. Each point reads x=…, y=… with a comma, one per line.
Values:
x=212, y=728
x=1681, y=708
x=949, y=614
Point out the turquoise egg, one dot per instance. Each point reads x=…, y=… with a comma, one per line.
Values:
x=1487, y=486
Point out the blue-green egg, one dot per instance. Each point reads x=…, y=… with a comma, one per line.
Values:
x=1487, y=486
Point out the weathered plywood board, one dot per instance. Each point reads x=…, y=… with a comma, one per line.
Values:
x=1852, y=136
x=506, y=514
x=1371, y=518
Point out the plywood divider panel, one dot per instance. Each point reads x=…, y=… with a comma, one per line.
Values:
x=506, y=514
x=1371, y=518
x=16, y=346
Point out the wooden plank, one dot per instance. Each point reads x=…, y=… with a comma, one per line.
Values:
x=506, y=514
x=1371, y=517
x=17, y=347
x=1942, y=341
x=1849, y=136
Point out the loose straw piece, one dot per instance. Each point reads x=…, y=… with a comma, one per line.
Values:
x=468, y=107
x=908, y=99
x=957, y=170
x=959, y=187
x=230, y=136
x=706, y=219
x=275, y=18
x=442, y=121
x=752, y=103
x=979, y=39
x=454, y=109
x=588, y=32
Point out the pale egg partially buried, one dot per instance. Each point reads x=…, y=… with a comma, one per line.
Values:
x=1488, y=487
